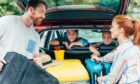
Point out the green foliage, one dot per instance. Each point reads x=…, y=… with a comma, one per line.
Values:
x=109, y=3
x=8, y=7
x=134, y=9
x=106, y=3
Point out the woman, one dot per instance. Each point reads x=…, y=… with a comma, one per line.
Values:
x=125, y=65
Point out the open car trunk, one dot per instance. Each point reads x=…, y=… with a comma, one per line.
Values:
x=61, y=12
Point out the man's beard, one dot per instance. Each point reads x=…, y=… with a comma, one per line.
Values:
x=37, y=22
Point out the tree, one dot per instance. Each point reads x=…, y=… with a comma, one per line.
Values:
x=134, y=8
x=8, y=7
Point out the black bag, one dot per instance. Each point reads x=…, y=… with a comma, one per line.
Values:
x=20, y=70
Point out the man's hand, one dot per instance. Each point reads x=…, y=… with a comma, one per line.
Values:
x=2, y=62
x=37, y=60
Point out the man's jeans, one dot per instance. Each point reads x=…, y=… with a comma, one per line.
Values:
x=20, y=70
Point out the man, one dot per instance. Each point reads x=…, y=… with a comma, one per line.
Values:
x=18, y=35
x=71, y=39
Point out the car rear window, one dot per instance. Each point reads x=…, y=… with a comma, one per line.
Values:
x=90, y=35
x=87, y=34
x=112, y=4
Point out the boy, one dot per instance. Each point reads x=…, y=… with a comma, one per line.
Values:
x=102, y=48
x=71, y=39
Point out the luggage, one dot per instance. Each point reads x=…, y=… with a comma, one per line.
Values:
x=20, y=70
x=96, y=69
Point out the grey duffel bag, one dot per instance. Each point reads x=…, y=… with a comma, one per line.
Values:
x=20, y=70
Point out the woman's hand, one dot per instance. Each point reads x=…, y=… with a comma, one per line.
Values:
x=99, y=80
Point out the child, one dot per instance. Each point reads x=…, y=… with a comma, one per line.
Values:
x=71, y=39
x=102, y=48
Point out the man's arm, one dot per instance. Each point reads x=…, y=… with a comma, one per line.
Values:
x=36, y=57
x=3, y=29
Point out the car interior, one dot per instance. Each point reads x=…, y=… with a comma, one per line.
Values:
x=90, y=33
x=76, y=52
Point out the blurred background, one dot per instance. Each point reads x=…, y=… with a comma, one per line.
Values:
x=9, y=7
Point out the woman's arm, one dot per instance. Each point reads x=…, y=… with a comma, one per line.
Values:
x=108, y=57
x=116, y=72
x=125, y=62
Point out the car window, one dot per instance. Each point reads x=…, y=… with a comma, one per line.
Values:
x=57, y=33
x=90, y=35
x=112, y=4
x=43, y=38
x=87, y=34
x=54, y=35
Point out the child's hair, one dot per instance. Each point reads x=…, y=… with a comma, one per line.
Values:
x=72, y=30
x=104, y=32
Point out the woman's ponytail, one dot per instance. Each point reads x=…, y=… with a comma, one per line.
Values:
x=136, y=34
